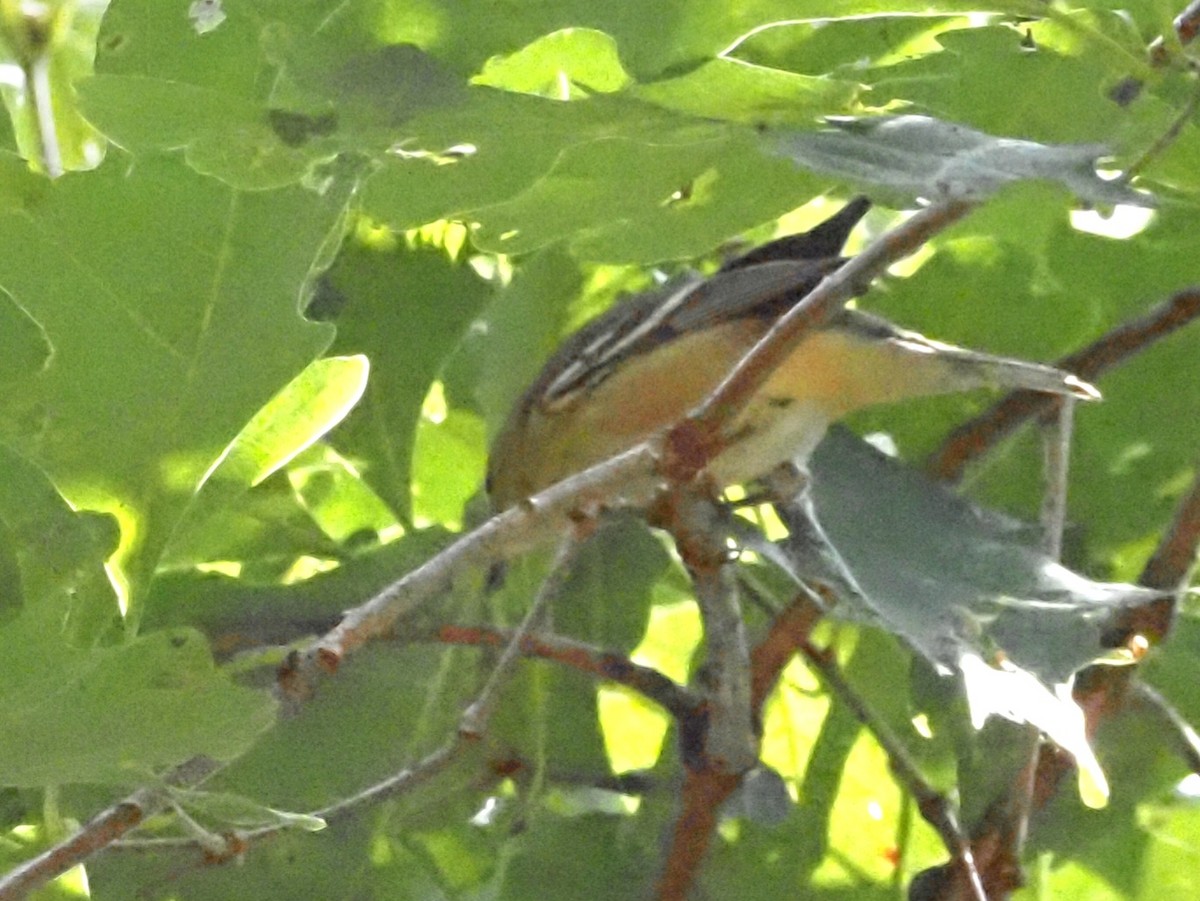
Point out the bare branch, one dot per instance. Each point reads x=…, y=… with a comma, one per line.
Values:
x=100, y=832
x=1172, y=562
x=1187, y=26
x=629, y=475
x=789, y=631
x=676, y=699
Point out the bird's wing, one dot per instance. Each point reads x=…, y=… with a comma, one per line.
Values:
x=763, y=283
x=687, y=304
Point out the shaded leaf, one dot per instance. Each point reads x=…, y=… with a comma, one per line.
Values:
x=169, y=330
x=407, y=310
x=585, y=857
x=146, y=703
x=919, y=156
x=54, y=555
x=950, y=578
x=156, y=701
x=24, y=350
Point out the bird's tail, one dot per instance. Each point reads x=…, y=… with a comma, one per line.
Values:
x=980, y=370
x=907, y=364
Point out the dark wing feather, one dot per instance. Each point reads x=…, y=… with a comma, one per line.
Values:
x=822, y=241
x=764, y=283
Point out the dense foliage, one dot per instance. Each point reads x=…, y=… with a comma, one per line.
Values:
x=273, y=273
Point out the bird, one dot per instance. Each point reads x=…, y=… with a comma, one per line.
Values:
x=648, y=361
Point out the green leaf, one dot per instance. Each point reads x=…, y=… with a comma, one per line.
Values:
x=407, y=310
x=449, y=455
x=1024, y=60
x=672, y=199
x=498, y=144
x=156, y=701
x=730, y=89
x=163, y=85
x=334, y=494
x=170, y=327
x=54, y=556
x=626, y=181
x=561, y=66
x=950, y=578
x=311, y=404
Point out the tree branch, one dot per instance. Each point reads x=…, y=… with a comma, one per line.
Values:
x=629, y=475
x=677, y=700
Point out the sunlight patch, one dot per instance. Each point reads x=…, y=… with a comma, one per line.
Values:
x=1124, y=222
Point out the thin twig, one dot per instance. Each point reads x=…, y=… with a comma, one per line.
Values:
x=38, y=90
x=1187, y=26
x=478, y=714
x=1165, y=140
x=101, y=831
x=790, y=629
x=1056, y=448
x=676, y=699
x=1056, y=445
x=1180, y=732
x=472, y=726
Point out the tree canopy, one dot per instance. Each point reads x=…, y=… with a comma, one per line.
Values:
x=274, y=274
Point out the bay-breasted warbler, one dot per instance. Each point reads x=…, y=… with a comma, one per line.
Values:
x=652, y=358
